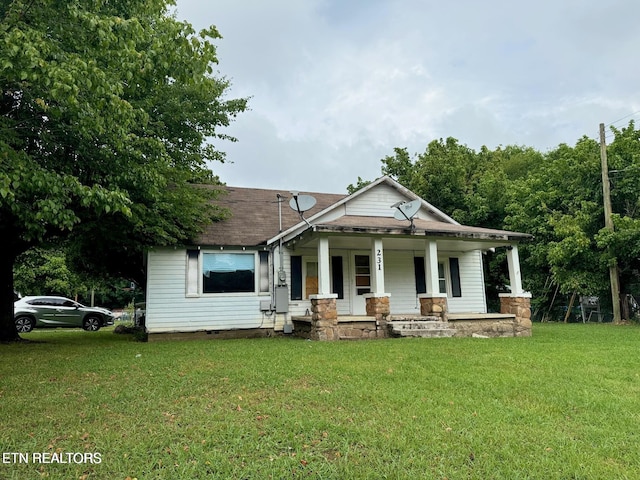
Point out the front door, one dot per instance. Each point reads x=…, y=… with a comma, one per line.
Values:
x=310, y=278
x=361, y=263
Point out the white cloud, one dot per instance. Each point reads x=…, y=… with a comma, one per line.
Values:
x=335, y=86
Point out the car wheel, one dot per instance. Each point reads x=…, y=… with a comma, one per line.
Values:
x=24, y=324
x=91, y=324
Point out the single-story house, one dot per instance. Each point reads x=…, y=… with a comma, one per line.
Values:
x=376, y=263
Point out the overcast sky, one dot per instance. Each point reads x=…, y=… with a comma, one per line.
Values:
x=335, y=85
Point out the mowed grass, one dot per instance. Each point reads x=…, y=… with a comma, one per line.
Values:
x=563, y=404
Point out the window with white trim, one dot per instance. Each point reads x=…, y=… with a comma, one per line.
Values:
x=449, y=277
x=227, y=272
x=442, y=278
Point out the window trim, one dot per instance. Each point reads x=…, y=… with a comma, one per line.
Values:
x=453, y=284
x=446, y=277
x=259, y=268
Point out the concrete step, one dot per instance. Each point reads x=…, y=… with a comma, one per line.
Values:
x=412, y=317
x=423, y=329
x=413, y=324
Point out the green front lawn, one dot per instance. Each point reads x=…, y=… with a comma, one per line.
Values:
x=562, y=404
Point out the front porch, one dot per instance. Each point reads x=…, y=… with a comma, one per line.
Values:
x=323, y=323
x=354, y=274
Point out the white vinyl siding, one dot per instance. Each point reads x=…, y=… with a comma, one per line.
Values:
x=378, y=202
x=400, y=282
x=402, y=286
x=170, y=309
x=471, y=285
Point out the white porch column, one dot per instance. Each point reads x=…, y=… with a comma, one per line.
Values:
x=324, y=285
x=515, y=279
x=377, y=274
x=431, y=268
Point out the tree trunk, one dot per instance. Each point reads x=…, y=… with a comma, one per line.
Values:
x=8, y=332
x=624, y=307
x=568, y=314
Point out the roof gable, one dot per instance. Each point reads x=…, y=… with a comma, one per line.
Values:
x=374, y=200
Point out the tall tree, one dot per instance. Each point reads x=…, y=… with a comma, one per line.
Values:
x=468, y=185
x=104, y=114
x=561, y=203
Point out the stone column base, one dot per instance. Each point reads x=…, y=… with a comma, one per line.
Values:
x=520, y=306
x=324, y=317
x=378, y=305
x=433, y=306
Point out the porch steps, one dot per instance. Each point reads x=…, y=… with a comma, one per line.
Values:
x=424, y=327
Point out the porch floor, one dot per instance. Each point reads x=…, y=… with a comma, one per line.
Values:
x=479, y=316
x=341, y=318
x=413, y=316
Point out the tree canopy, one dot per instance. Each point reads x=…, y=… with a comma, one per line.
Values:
x=104, y=117
x=556, y=196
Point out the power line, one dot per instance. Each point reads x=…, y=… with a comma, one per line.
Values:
x=608, y=133
x=623, y=118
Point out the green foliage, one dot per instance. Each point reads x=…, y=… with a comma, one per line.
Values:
x=104, y=117
x=138, y=333
x=44, y=272
x=359, y=184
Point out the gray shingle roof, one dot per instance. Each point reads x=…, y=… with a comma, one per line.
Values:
x=254, y=215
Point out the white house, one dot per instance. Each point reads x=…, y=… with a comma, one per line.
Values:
x=376, y=263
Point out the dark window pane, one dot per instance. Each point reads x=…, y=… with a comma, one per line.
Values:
x=418, y=267
x=296, y=277
x=228, y=272
x=454, y=269
x=337, y=276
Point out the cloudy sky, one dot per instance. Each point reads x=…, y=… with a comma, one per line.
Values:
x=335, y=85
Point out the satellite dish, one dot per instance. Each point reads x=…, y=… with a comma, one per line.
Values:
x=406, y=211
x=302, y=203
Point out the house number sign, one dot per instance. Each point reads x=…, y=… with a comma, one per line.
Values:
x=379, y=259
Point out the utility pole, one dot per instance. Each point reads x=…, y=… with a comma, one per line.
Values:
x=608, y=223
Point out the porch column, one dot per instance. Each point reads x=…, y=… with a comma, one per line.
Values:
x=431, y=267
x=513, y=261
x=432, y=303
x=324, y=313
x=377, y=276
x=377, y=302
x=324, y=285
x=517, y=302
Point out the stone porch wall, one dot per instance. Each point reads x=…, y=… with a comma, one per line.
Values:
x=484, y=327
x=360, y=330
x=520, y=306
